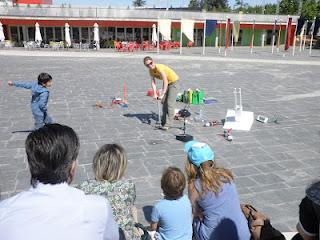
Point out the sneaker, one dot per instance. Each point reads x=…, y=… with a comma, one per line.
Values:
x=165, y=128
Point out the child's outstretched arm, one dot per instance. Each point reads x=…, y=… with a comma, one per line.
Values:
x=27, y=85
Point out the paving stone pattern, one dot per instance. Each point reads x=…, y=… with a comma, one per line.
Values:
x=273, y=163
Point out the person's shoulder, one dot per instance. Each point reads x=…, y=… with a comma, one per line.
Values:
x=89, y=183
x=163, y=203
x=97, y=208
x=122, y=186
x=161, y=66
x=184, y=199
x=39, y=88
x=9, y=201
x=95, y=202
x=8, y=205
x=126, y=183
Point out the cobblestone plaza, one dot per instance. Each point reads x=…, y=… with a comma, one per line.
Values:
x=273, y=163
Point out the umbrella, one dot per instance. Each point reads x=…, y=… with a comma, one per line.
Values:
x=154, y=34
x=67, y=35
x=96, y=37
x=2, y=38
x=38, y=37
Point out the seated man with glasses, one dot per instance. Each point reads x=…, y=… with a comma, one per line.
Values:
x=169, y=91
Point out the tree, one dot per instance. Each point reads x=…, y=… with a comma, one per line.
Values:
x=289, y=7
x=270, y=8
x=216, y=5
x=310, y=9
x=240, y=5
x=194, y=4
x=139, y=3
x=257, y=9
x=209, y=5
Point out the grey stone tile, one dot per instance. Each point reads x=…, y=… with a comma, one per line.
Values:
x=272, y=163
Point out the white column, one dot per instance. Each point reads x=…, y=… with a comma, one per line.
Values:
x=158, y=42
x=204, y=37
x=180, y=36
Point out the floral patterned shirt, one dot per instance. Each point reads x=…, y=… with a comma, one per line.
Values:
x=121, y=195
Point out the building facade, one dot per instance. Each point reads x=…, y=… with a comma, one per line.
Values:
x=48, y=2
x=133, y=24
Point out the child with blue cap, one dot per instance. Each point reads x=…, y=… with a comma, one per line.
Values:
x=215, y=203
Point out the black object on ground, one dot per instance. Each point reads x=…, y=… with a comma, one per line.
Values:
x=184, y=137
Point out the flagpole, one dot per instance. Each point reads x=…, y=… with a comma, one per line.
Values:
x=294, y=39
x=286, y=34
x=305, y=36
x=204, y=36
x=301, y=36
x=220, y=37
x=180, y=36
x=273, y=35
x=158, y=35
x=279, y=35
x=232, y=36
x=313, y=26
x=252, y=37
x=226, y=40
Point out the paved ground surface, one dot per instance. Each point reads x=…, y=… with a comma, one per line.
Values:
x=273, y=163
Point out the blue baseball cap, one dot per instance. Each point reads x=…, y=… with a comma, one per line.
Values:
x=198, y=152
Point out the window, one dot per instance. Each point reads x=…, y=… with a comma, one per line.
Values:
x=112, y=33
x=145, y=34
x=31, y=33
x=75, y=34
x=120, y=34
x=49, y=31
x=129, y=34
x=58, y=33
x=84, y=35
x=14, y=34
x=137, y=34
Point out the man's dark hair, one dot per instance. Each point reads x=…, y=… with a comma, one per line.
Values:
x=43, y=78
x=51, y=151
x=173, y=183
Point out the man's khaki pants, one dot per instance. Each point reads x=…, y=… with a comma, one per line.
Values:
x=169, y=104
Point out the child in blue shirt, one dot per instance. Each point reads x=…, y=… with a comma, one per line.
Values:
x=172, y=216
x=39, y=100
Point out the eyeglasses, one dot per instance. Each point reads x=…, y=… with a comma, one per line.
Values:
x=149, y=64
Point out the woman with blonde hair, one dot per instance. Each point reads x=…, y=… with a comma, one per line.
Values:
x=215, y=203
x=109, y=165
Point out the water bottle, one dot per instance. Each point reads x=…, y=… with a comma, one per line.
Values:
x=199, y=117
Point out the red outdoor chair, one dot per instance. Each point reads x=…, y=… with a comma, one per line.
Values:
x=176, y=44
x=118, y=46
x=130, y=47
x=190, y=44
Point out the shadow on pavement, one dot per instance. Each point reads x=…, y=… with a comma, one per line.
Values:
x=145, y=118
